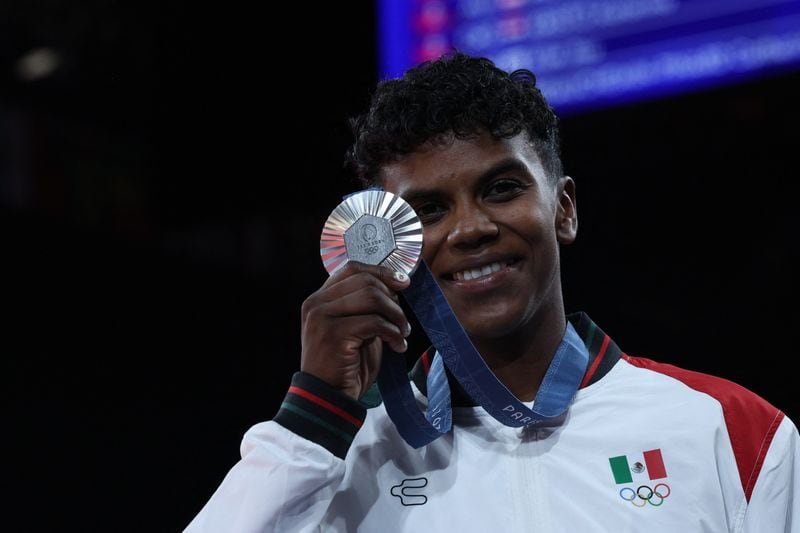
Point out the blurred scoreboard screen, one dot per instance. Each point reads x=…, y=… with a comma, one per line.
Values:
x=595, y=53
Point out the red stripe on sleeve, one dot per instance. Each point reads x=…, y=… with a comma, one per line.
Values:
x=751, y=420
x=762, y=453
x=326, y=404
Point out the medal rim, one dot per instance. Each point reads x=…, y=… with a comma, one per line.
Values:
x=404, y=222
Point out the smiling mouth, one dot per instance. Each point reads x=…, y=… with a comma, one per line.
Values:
x=481, y=272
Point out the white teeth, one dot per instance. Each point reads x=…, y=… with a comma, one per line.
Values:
x=474, y=273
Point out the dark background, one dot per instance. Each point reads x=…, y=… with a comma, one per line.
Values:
x=161, y=199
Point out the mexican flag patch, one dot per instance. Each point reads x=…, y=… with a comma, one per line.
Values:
x=651, y=464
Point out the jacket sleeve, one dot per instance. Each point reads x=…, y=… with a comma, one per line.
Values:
x=291, y=466
x=774, y=505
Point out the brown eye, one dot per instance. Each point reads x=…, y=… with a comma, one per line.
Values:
x=429, y=212
x=505, y=189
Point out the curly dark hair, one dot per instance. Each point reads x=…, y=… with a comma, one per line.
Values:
x=457, y=96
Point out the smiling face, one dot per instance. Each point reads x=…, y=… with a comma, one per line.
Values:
x=492, y=224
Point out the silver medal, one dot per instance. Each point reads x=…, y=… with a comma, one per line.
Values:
x=374, y=227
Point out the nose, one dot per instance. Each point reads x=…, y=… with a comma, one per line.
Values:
x=472, y=228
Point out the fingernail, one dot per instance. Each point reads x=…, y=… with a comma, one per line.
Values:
x=407, y=330
x=400, y=276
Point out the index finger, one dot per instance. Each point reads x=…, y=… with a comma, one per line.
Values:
x=395, y=280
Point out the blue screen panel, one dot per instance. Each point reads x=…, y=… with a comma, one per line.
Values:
x=594, y=53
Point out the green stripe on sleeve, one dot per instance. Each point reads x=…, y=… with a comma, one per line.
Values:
x=317, y=420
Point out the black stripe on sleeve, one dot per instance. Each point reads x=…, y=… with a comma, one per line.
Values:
x=318, y=412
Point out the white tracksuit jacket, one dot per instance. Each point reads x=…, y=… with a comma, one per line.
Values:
x=645, y=447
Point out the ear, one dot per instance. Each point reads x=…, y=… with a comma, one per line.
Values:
x=566, y=211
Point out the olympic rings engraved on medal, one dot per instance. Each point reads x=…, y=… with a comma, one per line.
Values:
x=654, y=496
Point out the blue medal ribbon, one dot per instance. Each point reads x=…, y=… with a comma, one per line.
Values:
x=455, y=351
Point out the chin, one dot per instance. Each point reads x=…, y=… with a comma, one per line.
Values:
x=489, y=328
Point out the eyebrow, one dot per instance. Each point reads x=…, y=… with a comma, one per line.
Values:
x=499, y=168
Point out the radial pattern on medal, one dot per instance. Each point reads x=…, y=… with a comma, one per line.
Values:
x=378, y=227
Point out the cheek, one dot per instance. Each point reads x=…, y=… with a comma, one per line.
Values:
x=431, y=242
x=532, y=224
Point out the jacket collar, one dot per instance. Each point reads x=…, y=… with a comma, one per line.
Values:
x=603, y=355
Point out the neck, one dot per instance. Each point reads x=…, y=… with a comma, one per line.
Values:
x=520, y=360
